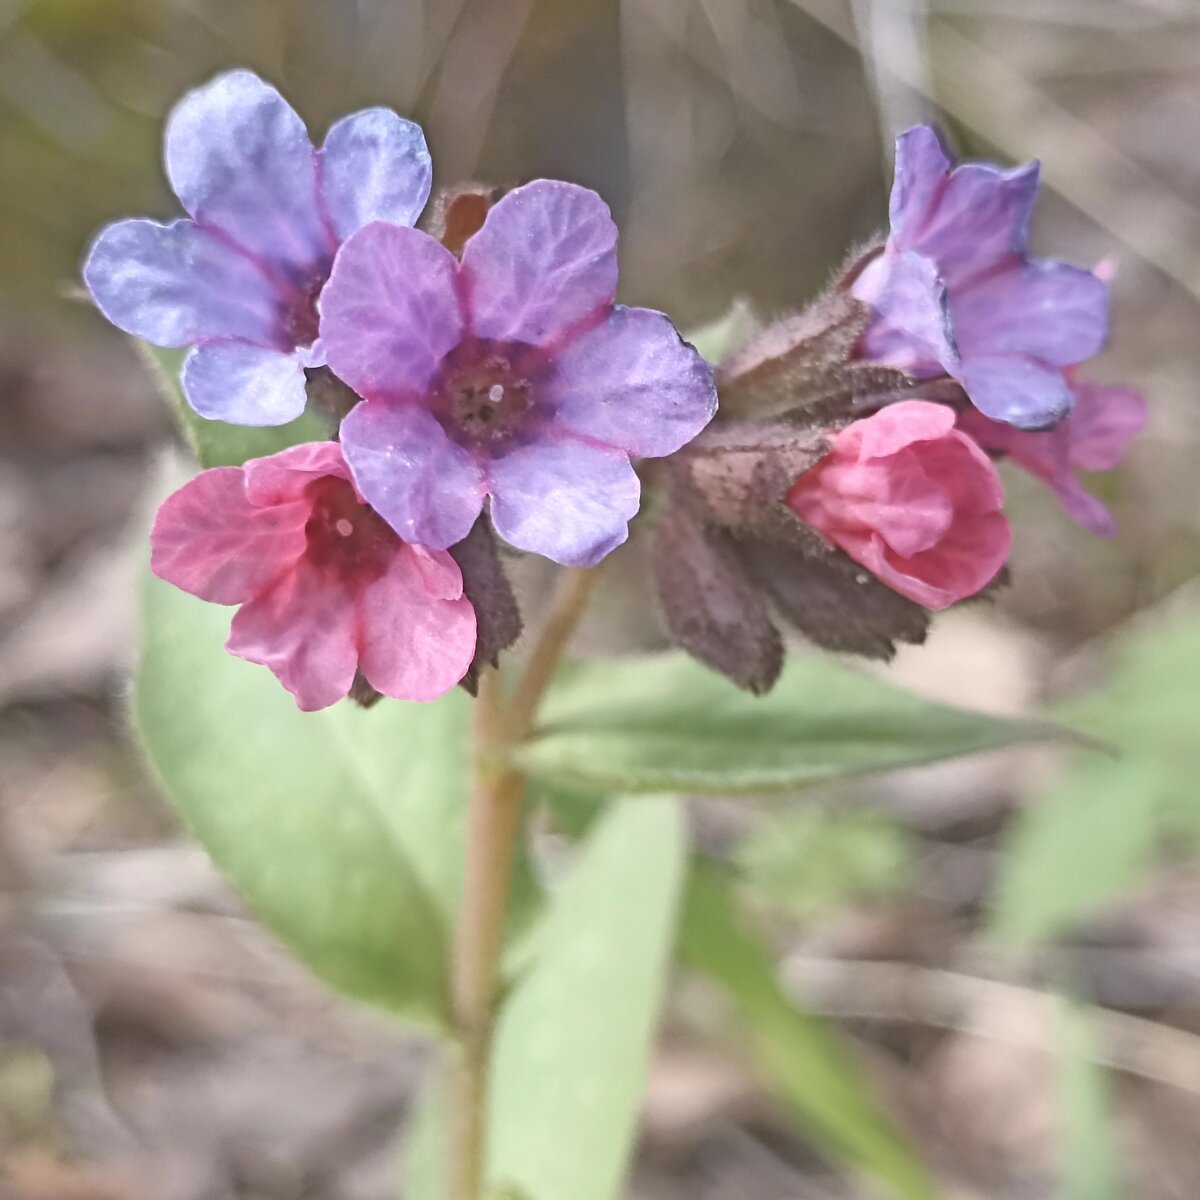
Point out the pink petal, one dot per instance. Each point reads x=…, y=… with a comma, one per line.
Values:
x=633, y=383
x=282, y=477
x=1103, y=423
x=208, y=539
x=544, y=261
x=416, y=645
x=304, y=629
x=390, y=311
x=893, y=428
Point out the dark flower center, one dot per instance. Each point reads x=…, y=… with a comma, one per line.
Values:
x=301, y=319
x=486, y=391
x=345, y=537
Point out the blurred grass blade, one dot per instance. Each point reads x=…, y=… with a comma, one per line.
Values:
x=346, y=863
x=1089, y=1168
x=214, y=443
x=574, y=1037
x=669, y=724
x=797, y=1053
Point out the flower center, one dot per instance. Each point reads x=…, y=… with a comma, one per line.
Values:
x=485, y=391
x=302, y=320
x=345, y=537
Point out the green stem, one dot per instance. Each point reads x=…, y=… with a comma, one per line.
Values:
x=493, y=827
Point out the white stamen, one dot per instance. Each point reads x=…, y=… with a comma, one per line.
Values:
x=496, y=393
x=344, y=527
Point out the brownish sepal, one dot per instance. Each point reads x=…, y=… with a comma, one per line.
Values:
x=486, y=585
x=803, y=367
x=711, y=607
x=362, y=693
x=459, y=212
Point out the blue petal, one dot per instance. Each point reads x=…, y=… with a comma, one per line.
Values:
x=244, y=385
x=177, y=284
x=1017, y=390
x=241, y=161
x=375, y=166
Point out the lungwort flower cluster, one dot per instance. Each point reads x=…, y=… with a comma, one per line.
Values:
x=508, y=375
x=496, y=388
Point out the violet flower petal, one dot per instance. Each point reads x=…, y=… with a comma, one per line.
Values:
x=544, y=261
x=564, y=499
x=374, y=166
x=244, y=384
x=390, y=311
x=911, y=328
x=175, y=284
x=1017, y=390
x=240, y=160
x=1041, y=308
x=426, y=487
x=633, y=383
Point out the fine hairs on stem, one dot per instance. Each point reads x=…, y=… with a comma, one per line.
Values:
x=493, y=826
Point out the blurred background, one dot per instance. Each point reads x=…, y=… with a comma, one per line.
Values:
x=154, y=1043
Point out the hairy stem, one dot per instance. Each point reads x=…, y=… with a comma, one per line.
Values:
x=493, y=827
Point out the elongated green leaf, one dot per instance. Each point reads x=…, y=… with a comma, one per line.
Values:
x=1089, y=1166
x=215, y=443
x=574, y=1037
x=668, y=724
x=328, y=823
x=797, y=1053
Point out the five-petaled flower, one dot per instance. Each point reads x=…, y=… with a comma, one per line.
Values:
x=1103, y=421
x=955, y=291
x=327, y=588
x=510, y=374
x=240, y=280
x=913, y=500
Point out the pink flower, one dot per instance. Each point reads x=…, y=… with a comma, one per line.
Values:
x=913, y=500
x=1103, y=421
x=326, y=588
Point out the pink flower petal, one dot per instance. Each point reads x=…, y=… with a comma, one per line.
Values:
x=303, y=628
x=416, y=645
x=544, y=261
x=208, y=539
x=283, y=476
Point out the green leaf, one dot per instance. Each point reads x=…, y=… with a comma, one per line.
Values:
x=214, y=443
x=1089, y=1166
x=1073, y=848
x=1096, y=829
x=806, y=861
x=574, y=1037
x=668, y=724
x=798, y=1054
x=333, y=825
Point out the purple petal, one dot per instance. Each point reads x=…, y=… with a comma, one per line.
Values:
x=1103, y=423
x=981, y=217
x=563, y=499
x=390, y=311
x=175, y=284
x=921, y=167
x=375, y=166
x=1046, y=309
x=633, y=383
x=545, y=260
x=1084, y=508
x=428, y=488
x=241, y=161
x=1016, y=390
x=243, y=384
x=911, y=328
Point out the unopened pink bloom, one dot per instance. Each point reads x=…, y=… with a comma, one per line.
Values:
x=326, y=587
x=1103, y=421
x=913, y=500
